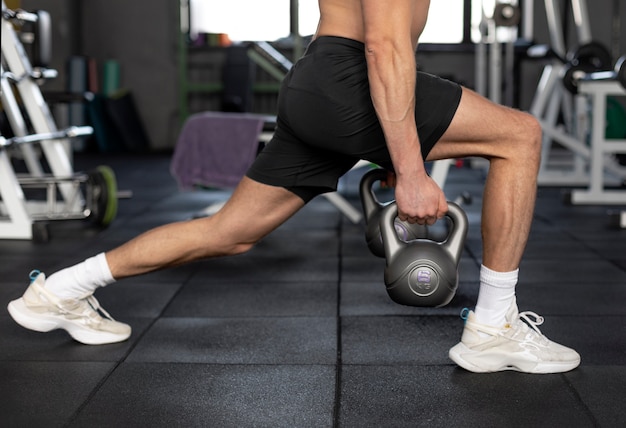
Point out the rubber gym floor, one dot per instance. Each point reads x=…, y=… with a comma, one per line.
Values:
x=300, y=332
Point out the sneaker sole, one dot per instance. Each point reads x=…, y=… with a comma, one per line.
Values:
x=43, y=323
x=456, y=354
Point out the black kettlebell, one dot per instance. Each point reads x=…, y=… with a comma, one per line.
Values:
x=372, y=209
x=423, y=272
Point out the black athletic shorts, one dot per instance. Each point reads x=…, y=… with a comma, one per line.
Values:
x=326, y=120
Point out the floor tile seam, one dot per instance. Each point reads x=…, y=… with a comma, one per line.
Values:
x=153, y=320
x=336, y=412
x=94, y=391
x=219, y=281
x=242, y=317
x=454, y=316
x=122, y=360
x=571, y=388
x=58, y=361
x=215, y=364
x=402, y=364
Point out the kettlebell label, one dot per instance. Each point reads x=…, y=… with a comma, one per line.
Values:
x=423, y=281
x=423, y=276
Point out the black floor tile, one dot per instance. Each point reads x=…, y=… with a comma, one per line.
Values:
x=280, y=340
x=211, y=299
x=300, y=331
x=602, y=391
x=583, y=272
x=25, y=345
x=198, y=395
x=595, y=298
x=47, y=394
x=444, y=396
x=392, y=340
x=268, y=268
x=363, y=298
x=598, y=340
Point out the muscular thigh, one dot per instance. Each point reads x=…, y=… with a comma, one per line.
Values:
x=254, y=210
x=479, y=128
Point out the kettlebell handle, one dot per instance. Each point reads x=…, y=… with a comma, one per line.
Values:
x=453, y=244
x=370, y=204
x=456, y=239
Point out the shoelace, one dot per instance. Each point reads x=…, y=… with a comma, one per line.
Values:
x=533, y=323
x=95, y=305
x=526, y=316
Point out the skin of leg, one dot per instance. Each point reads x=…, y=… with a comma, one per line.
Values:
x=511, y=141
x=253, y=211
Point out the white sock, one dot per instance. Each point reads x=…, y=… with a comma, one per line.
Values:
x=81, y=280
x=496, y=293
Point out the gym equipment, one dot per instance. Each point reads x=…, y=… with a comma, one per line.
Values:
x=618, y=74
x=594, y=90
x=372, y=210
x=562, y=112
x=28, y=218
x=506, y=15
x=498, y=27
x=589, y=58
x=423, y=272
x=68, y=195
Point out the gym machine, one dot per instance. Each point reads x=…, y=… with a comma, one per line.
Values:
x=593, y=90
x=68, y=195
x=556, y=98
x=499, y=26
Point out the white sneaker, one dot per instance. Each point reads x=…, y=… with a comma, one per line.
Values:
x=84, y=319
x=518, y=345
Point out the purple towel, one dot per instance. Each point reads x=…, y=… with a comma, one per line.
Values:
x=216, y=149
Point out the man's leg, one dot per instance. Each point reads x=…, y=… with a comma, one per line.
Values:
x=494, y=337
x=253, y=211
x=511, y=141
x=65, y=300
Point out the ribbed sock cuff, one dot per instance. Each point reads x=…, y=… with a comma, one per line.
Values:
x=495, y=296
x=82, y=279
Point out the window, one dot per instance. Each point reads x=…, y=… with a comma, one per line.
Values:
x=251, y=19
x=270, y=19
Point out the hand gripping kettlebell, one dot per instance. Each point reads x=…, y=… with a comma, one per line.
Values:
x=372, y=210
x=423, y=272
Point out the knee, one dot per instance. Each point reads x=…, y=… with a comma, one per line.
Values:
x=529, y=137
x=238, y=248
x=534, y=132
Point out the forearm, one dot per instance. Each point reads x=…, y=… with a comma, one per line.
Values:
x=391, y=68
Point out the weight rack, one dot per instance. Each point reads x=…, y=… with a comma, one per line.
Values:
x=68, y=195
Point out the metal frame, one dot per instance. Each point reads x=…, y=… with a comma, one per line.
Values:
x=601, y=149
x=569, y=164
x=18, y=214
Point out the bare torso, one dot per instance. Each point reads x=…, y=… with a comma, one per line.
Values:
x=344, y=18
